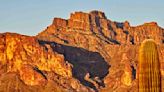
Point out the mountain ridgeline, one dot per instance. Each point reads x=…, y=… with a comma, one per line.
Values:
x=85, y=53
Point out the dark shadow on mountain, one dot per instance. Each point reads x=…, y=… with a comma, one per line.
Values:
x=83, y=62
x=133, y=72
x=119, y=25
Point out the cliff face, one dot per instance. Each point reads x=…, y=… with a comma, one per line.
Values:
x=84, y=53
x=115, y=43
x=33, y=66
x=96, y=23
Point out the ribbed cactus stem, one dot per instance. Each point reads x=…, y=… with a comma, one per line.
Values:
x=149, y=67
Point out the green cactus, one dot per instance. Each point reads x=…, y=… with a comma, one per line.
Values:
x=149, y=67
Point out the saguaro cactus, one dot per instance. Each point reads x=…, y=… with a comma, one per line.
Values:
x=149, y=67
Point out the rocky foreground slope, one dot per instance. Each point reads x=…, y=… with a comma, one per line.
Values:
x=84, y=53
x=26, y=65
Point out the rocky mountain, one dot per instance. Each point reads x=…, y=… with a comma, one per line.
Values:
x=26, y=65
x=84, y=53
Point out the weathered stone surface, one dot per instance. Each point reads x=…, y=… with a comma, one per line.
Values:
x=147, y=30
x=79, y=21
x=116, y=42
x=25, y=50
x=126, y=78
x=59, y=23
x=32, y=76
x=99, y=14
x=31, y=61
x=100, y=53
x=95, y=22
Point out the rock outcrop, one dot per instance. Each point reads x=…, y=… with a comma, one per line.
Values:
x=85, y=53
x=96, y=23
x=20, y=50
x=34, y=64
x=116, y=42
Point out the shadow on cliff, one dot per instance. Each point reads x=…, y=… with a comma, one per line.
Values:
x=83, y=62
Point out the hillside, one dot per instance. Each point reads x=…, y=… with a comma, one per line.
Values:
x=87, y=52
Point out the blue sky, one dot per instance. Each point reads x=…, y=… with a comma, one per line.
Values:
x=30, y=17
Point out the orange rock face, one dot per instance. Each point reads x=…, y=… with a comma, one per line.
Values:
x=32, y=76
x=79, y=20
x=33, y=62
x=25, y=50
x=84, y=53
x=116, y=43
x=126, y=78
x=59, y=23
